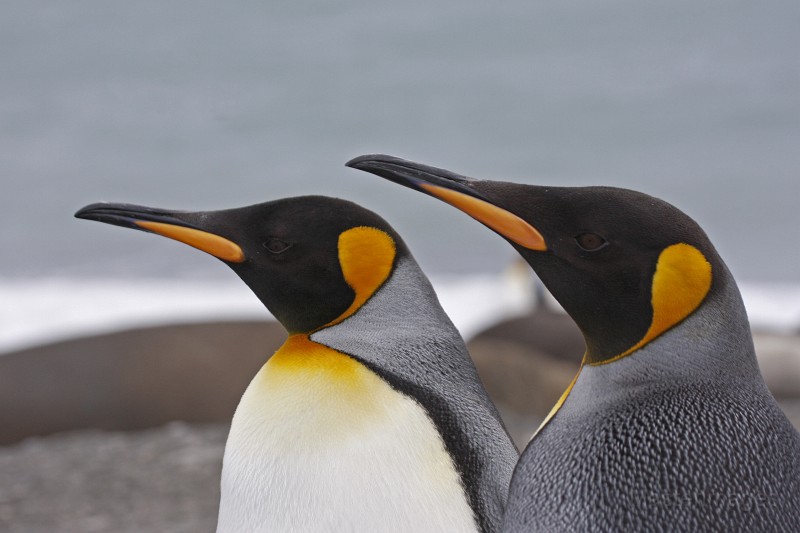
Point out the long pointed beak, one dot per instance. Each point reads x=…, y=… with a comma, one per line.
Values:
x=166, y=223
x=454, y=189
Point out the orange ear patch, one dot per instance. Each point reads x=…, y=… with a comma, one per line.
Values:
x=366, y=256
x=680, y=284
x=503, y=222
x=215, y=245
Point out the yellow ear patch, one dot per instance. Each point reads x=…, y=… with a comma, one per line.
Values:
x=215, y=245
x=680, y=284
x=366, y=256
x=503, y=222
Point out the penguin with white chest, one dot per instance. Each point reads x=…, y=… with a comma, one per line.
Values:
x=371, y=416
x=668, y=426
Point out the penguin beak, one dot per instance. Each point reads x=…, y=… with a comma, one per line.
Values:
x=456, y=190
x=172, y=224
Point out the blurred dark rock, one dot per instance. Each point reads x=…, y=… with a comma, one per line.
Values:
x=543, y=330
x=526, y=363
x=133, y=379
x=523, y=382
x=779, y=360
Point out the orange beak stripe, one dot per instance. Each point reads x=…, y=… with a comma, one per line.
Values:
x=215, y=245
x=503, y=222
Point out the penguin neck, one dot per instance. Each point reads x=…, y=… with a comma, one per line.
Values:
x=713, y=343
x=403, y=335
x=400, y=312
x=338, y=385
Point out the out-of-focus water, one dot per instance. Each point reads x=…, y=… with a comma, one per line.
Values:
x=204, y=105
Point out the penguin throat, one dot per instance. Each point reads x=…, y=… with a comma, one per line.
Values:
x=328, y=371
x=681, y=282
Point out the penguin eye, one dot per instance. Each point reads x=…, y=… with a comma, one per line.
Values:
x=590, y=242
x=276, y=246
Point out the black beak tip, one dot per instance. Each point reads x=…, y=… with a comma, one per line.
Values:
x=87, y=212
x=411, y=174
x=125, y=215
x=356, y=161
x=364, y=162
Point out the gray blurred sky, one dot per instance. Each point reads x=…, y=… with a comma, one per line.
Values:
x=202, y=105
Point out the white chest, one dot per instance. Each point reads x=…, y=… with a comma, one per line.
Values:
x=321, y=443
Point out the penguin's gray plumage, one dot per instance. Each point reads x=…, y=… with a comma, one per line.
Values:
x=371, y=416
x=662, y=440
x=404, y=334
x=668, y=426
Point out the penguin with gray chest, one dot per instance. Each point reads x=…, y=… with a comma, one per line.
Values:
x=668, y=425
x=371, y=416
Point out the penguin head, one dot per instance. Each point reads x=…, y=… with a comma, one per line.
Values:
x=312, y=260
x=624, y=265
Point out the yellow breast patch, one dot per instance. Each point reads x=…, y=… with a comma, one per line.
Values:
x=317, y=390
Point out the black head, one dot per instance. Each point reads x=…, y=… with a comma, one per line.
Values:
x=311, y=260
x=625, y=266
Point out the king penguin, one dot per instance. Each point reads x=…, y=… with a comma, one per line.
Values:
x=371, y=416
x=668, y=425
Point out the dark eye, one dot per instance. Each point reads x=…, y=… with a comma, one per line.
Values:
x=591, y=242
x=276, y=246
